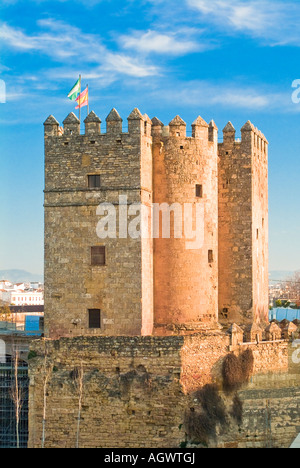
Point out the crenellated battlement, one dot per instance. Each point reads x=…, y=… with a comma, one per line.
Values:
x=177, y=128
x=138, y=124
x=251, y=138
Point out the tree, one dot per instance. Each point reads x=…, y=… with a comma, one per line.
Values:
x=5, y=312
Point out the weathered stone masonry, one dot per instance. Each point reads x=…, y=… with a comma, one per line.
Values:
x=153, y=285
x=138, y=390
x=122, y=288
x=159, y=347
x=243, y=226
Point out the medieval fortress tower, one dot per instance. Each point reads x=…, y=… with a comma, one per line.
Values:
x=156, y=291
x=149, y=285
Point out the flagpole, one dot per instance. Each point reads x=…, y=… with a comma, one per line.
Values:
x=88, y=99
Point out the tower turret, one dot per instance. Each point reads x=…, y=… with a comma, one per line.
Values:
x=186, y=254
x=243, y=226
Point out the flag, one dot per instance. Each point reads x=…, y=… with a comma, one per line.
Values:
x=75, y=90
x=83, y=99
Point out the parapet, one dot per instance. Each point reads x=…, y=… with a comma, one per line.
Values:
x=177, y=127
x=51, y=126
x=157, y=127
x=138, y=124
x=200, y=128
x=147, y=125
x=251, y=137
x=114, y=122
x=229, y=133
x=71, y=125
x=135, y=122
x=254, y=137
x=253, y=333
x=92, y=124
x=213, y=132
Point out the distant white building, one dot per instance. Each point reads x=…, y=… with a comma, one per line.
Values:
x=4, y=284
x=5, y=296
x=21, y=294
x=19, y=286
x=27, y=298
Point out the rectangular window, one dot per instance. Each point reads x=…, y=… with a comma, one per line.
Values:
x=94, y=181
x=98, y=255
x=94, y=318
x=199, y=191
x=210, y=256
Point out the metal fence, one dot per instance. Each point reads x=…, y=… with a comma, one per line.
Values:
x=8, y=420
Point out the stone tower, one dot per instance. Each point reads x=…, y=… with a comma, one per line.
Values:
x=94, y=285
x=185, y=272
x=133, y=277
x=243, y=226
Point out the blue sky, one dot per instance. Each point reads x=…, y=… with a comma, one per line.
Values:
x=222, y=60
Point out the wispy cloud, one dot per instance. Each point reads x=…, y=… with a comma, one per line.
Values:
x=275, y=21
x=229, y=95
x=64, y=43
x=180, y=42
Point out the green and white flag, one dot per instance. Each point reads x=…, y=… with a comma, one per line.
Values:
x=75, y=90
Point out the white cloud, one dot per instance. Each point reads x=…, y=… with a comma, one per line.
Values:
x=16, y=38
x=125, y=65
x=66, y=44
x=273, y=20
x=178, y=43
x=231, y=95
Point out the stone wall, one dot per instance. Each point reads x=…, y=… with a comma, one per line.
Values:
x=131, y=393
x=139, y=391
